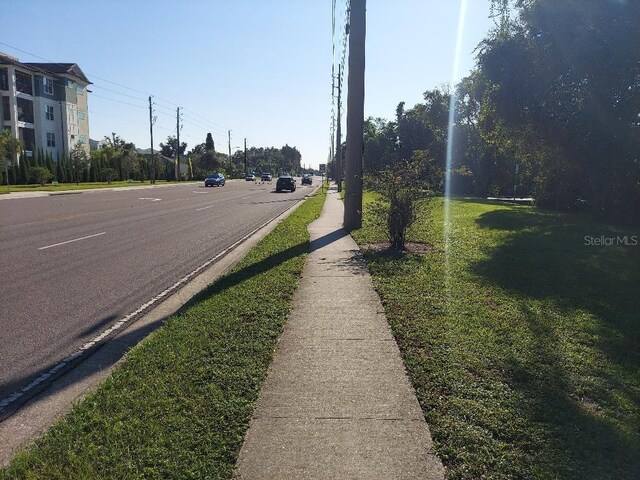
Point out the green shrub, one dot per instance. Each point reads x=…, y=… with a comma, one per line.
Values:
x=40, y=175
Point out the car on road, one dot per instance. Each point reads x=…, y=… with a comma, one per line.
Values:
x=286, y=182
x=214, y=180
x=250, y=178
x=306, y=180
x=266, y=177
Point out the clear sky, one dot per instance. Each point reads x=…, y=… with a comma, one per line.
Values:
x=261, y=68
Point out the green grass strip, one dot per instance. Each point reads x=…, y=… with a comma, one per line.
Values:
x=180, y=404
x=64, y=187
x=524, y=354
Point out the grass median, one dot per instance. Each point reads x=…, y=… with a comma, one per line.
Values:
x=64, y=187
x=524, y=352
x=180, y=404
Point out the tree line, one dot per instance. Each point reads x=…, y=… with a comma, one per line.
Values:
x=551, y=109
x=119, y=160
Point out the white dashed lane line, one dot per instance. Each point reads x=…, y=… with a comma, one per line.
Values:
x=71, y=241
x=204, y=208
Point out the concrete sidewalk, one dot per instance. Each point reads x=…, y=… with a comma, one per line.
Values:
x=336, y=402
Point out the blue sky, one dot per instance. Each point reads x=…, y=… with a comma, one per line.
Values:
x=259, y=68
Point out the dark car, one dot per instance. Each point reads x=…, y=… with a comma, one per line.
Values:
x=306, y=180
x=214, y=180
x=286, y=182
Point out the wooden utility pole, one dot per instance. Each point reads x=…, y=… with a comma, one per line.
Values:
x=178, y=145
x=153, y=159
x=339, y=134
x=355, y=117
x=229, y=152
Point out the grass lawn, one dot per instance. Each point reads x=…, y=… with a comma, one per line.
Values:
x=61, y=187
x=525, y=354
x=180, y=404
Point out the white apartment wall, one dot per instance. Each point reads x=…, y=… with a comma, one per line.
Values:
x=44, y=125
x=72, y=124
x=83, y=116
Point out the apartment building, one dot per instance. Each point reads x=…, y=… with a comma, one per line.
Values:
x=45, y=105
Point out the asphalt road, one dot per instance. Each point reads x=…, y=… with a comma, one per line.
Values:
x=72, y=265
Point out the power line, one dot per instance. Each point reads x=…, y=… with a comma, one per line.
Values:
x=116, y=92
x=117, y=101
x=217, y=125
x=205, y=119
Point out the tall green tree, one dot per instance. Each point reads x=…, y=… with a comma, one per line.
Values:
x=209, y=144
x=131, y=164
x=78, y=162
x=564, y=80
x=169, y=149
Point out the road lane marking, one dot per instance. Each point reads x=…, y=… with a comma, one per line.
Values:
x=206, y=193
x=71, y=241
x=204, y=208
x=150, y=198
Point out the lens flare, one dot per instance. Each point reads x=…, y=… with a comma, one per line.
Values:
x=450, y=139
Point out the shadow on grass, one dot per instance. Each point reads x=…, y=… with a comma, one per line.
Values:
x=135, y=334
x=547, y=257
x=261, y=266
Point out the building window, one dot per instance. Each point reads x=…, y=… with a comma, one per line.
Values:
x=48, y=86
x=82, y=138
x=6, y=109
x=81, y=115
x=80, y=90
x=49, y=111
x=4, y=79
x=28, y=137
x=51, y=139
x=24, y=83
x=25, y=110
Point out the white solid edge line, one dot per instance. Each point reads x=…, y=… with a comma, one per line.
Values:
x=71, y=241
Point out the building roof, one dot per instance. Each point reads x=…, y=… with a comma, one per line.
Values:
x=46, y=68
x=60, y=68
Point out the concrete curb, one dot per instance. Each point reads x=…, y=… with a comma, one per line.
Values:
x=19, y=195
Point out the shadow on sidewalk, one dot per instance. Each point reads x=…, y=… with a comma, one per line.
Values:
x=327, y=239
